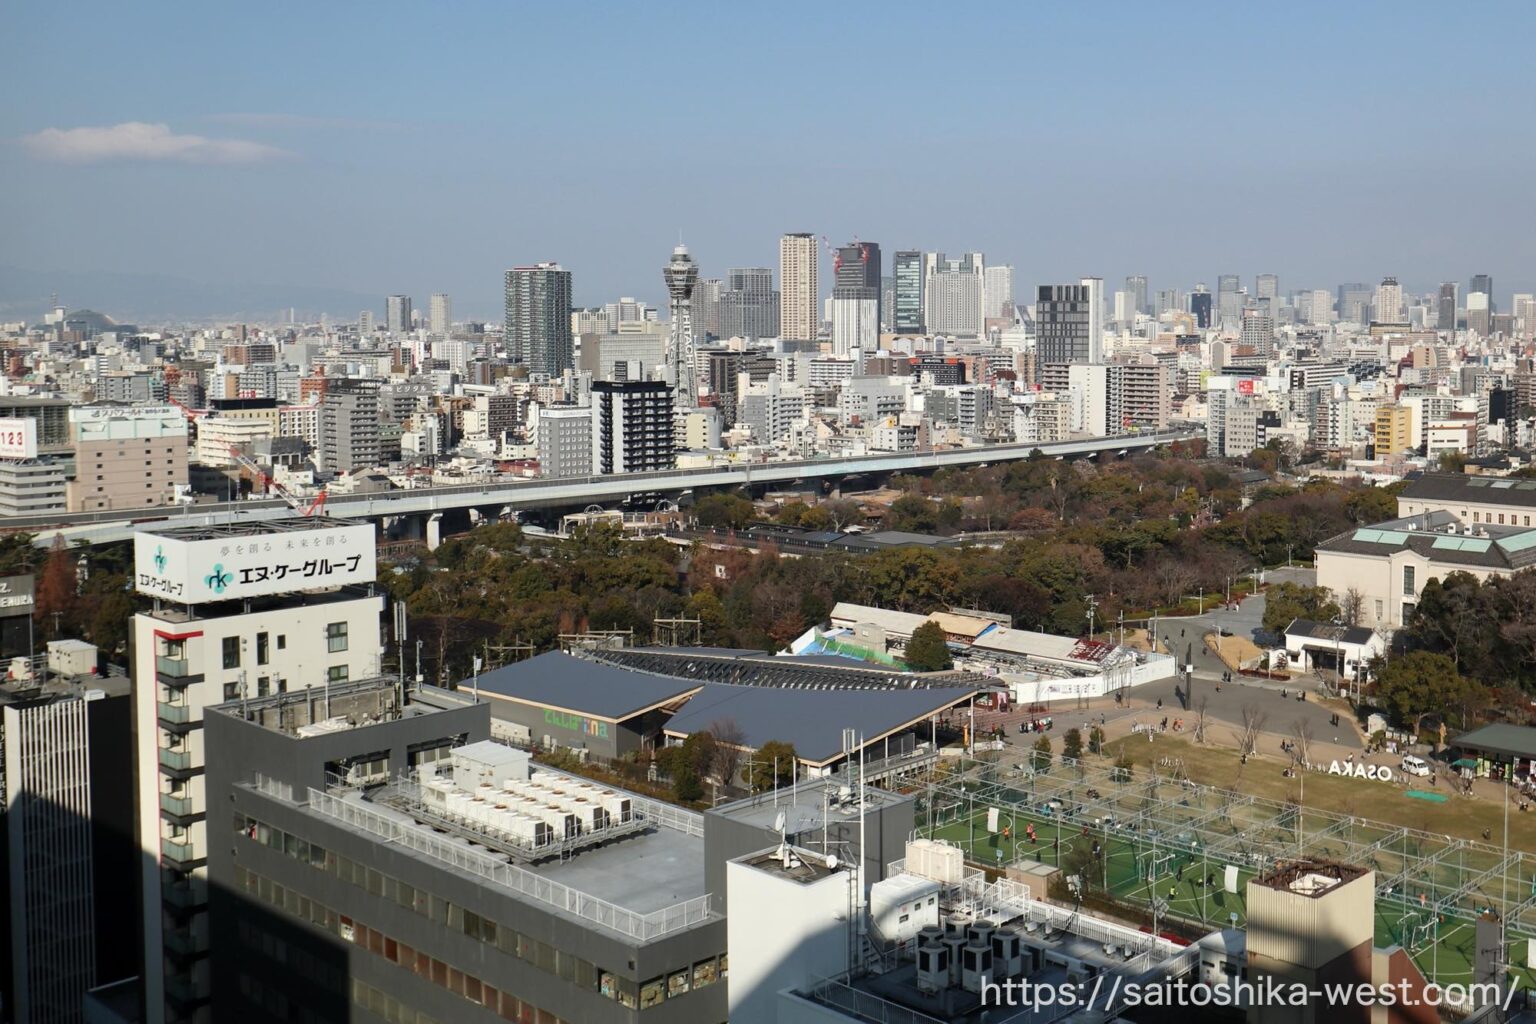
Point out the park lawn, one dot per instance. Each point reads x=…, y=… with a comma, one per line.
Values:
x=1462, y=817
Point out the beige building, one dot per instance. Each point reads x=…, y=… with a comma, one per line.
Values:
x=1394, y=430
x=799, y=279
x=127, y=457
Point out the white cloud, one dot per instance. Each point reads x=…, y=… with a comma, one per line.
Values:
x=138, y=140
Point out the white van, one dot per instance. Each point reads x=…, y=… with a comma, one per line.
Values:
x=1414, y=765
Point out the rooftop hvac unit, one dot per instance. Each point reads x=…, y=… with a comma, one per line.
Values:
x=1006, y=960
x=932, y=968
x=980, y=933
x=976, y=967
x=617, y=807
x=953, y=944
x=957, y=924
x=931, y=935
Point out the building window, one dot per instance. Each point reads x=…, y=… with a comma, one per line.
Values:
x=263, y=651
x=1379, y=611
x=231, y=652
x=1408, y=581
x=282, y=642
x=231, y=691
x=336, y=673
x=336, y=637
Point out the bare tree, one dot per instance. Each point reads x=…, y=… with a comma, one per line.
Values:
x=730, y=747
x=1301, y=733
x=1352, y=606
x=1252, y=725
x=1201, y=718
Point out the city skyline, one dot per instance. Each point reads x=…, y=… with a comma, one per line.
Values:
x=324, y=181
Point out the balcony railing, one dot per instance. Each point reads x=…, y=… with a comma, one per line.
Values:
x=177, y=759
x=183, y=895
x=177, y=714
x=181, y=940
x=181, y=851
x=181, y=806
x=168, y=666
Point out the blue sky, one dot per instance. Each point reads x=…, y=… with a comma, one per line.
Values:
x=382, y=147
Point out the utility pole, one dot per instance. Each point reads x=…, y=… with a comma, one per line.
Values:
x=1092, y=607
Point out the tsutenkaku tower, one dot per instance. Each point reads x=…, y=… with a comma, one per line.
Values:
x=681, y=274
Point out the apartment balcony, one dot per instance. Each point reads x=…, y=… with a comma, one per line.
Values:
x=176, y=760
x=184, y=944
x=185, y=993
x=179, y=851
x=175, y=672
x=184, y=896
x=173, y=714
x=178, y=806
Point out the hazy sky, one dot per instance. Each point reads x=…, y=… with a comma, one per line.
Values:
x=387, y=147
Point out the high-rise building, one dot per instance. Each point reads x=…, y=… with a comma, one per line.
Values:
x=1480, y=313
x=1136, y=286
x=1445, y=310
x=858, y=265
x=350, y=438
x=1355, y=302
x=799, y=287
x=1258, y=329
x=681, y=273
x=538, y=318
x=887, y=302
x=907, y=266
x=397, y=314
x=997, y=293
x=66, y=822
x=706, y=309
x=749, y=306
x=1388, y=305
x=1484, y=283
x=1200, y=306
x=229, y=622
x=1229, y=300
x=632, y=426
x=1065, y=324
x=365, y=326
x=1320, y=307
x=952, y=293
x=440, y=314
x=1169, y=300
x=1267, y=286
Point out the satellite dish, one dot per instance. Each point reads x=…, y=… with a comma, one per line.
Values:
x=778, y=821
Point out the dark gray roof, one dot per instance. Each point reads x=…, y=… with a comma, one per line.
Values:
x=1462, y=487
x=893, y=539
x=1499, y=738
x=1358, y=635
x=759, y=668
x=586, y=687
x=812, y=720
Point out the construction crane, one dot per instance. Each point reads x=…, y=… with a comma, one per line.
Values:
x=295, y=501
x=251, y=466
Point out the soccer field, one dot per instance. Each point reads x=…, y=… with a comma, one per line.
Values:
x=1136, y=857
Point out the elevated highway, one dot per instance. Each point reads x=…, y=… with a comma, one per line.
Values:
x=565, y=492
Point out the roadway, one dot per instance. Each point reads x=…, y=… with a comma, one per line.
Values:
x=106, y=527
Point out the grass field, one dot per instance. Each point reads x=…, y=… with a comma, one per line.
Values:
x=1134, y=865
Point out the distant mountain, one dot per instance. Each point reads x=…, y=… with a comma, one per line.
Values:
x=150, y=299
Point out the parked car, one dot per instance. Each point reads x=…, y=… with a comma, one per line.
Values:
x=1414, y=765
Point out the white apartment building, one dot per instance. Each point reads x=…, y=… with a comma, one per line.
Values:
x=216, y=435
x=239, y=611
x=565, y=441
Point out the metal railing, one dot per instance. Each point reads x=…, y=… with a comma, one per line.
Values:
x=626, y=923
x=179, y=760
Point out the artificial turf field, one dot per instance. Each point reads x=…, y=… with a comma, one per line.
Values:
x=1133, y=867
